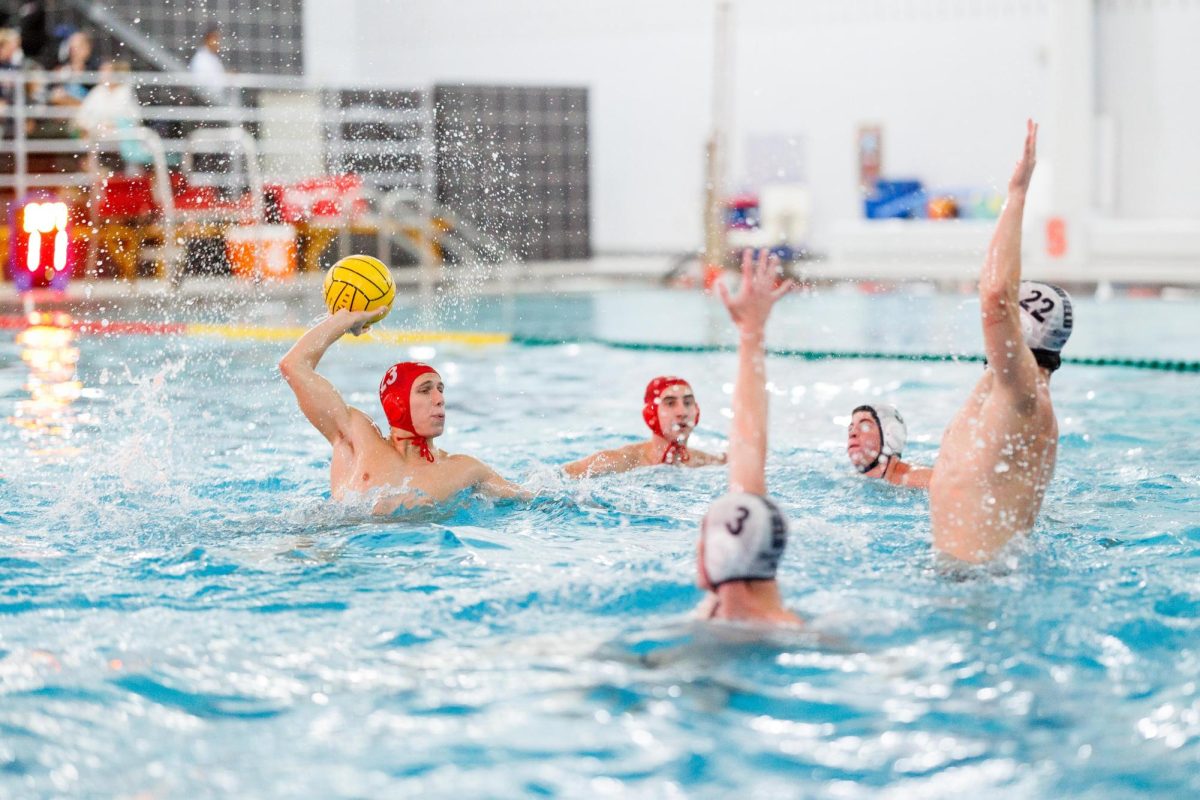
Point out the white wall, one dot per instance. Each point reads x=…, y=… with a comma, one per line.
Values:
x=645, y=63
x=951, y=81
x=951, y=84
x=1148, y=72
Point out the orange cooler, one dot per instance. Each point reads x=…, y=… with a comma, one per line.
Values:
x=262, y=251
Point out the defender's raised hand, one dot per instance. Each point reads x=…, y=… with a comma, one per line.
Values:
x=760, y=288
x=1024, y=170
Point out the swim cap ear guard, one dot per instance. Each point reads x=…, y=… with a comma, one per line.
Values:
x=1047, y=318
x=893, y=433
x=744, y=538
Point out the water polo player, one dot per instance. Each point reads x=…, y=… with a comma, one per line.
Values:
x=671, y=413
x=403, y=467
x=874, y=442
x=743, y=535
x=998, y=454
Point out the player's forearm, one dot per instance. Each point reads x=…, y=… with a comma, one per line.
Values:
x=1002, y=270
x=748, y=442
x=308, y=350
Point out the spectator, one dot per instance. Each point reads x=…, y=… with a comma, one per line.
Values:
x=10, y=62
x=77, y=58
x=207, y=67
x=110, y=106
x=36, y=125
x=30, y=21
x=10, y=49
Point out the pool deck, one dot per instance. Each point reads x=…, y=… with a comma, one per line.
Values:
x=613, y=272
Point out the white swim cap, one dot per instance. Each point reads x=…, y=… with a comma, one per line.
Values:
x=893, y=432
x=1046, y=316
x=744, y=538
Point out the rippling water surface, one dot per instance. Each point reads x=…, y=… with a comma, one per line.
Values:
x=183, y=613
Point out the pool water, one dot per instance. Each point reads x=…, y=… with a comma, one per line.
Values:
x=184, y=613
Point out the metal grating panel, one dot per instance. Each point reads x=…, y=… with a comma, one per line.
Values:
x=266, y=36
x=513, y=161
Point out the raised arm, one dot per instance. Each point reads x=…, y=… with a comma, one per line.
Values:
x=749, y=310
x=320, y=402
x=1009, y=358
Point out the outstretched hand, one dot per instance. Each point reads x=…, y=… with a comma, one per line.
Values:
x=1024, y=171
x=760, y=288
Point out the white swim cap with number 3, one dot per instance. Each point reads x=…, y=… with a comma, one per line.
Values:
x=744, y=538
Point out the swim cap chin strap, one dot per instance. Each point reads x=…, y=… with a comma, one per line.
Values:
x=676, y=452
x=395, y=392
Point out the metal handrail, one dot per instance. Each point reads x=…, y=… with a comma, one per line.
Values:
x=388, y=211
x=249, y=147
x=398, y=209
x=477, y=242
x=331, y=120
x=201, y=113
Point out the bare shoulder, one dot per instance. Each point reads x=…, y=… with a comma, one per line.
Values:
x=1028, y=396
x=631, y=454
x=465, y=464
x=620, y=458
x=363, y=428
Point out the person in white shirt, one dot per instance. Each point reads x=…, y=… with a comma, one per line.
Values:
x=207, y=67
x=110, y=105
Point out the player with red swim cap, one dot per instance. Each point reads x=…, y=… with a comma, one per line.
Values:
x=671, y=413
x=364, y=459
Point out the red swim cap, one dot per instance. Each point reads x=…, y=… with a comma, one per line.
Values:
x=675, y=452
x=395, y=392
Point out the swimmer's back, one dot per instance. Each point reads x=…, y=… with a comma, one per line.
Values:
x=996, y=459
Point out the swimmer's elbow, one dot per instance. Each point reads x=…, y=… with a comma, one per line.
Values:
x=996, y=301
x=291, y=367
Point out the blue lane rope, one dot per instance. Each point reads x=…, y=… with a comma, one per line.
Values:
x=1166, y=365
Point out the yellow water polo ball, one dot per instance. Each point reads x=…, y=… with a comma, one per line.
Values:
x=359, y=283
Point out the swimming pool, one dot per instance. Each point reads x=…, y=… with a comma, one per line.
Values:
x=184, y=614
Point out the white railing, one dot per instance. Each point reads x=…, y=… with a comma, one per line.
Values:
x=177, y=106
x=283, y=130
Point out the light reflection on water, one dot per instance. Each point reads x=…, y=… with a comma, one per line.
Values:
x=46, y=418
x=186, y=615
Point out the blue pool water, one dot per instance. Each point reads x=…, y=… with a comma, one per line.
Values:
x=183, y=613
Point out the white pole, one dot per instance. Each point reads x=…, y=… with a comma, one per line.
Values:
x=1071, y=126
x=718, y=142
